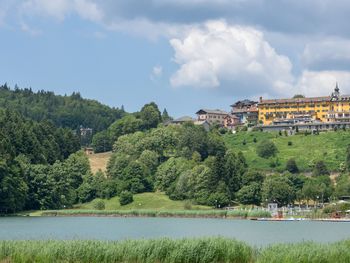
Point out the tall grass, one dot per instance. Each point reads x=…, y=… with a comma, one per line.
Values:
x=166, y=250
x=160, y=250
x=306, y=252
x=162, y=213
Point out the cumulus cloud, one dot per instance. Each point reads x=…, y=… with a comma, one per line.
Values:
x=218, y=52
x=321, y=83
x=316, y=16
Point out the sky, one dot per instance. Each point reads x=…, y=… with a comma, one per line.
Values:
x=182, y=54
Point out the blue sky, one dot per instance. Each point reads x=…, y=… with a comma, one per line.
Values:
x=184, y=55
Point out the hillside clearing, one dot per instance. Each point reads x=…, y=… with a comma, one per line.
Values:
x=98, y=161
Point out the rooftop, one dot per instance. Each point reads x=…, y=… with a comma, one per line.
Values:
x=216, y=111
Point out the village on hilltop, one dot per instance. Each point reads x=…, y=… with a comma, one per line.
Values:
x=297, y=113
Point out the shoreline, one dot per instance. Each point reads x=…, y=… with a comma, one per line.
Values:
x=214, y=214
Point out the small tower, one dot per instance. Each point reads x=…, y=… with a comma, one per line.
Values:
x=336, y=93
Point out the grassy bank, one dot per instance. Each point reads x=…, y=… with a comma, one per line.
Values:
x=162, y=213
x=167, y=250
x=151, y=201
x=327, y=146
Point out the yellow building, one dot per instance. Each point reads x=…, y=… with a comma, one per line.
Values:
x=333, y=108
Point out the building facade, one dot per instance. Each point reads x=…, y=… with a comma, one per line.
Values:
x=333, y=108
x=212, y=116
x=246, y=111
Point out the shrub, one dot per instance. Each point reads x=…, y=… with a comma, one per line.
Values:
x=125, y=198
x=292, y=167
x=320, y=169
x=266, y=149
x=290, y=143
x=244, y=142
x=99, y=205
x=255, y=140
x=188, y=205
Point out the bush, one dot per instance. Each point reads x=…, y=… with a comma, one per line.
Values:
x=255, y=140
x=188, y=205
x=125, y=198
x=292, y=167
x=99, y=205
x=320, y=169
x=266, y=149
x=290, y=143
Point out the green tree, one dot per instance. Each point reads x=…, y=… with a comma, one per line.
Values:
x=278, y=189
x=266, y=149
x=347, y=161
x=150, y=116
x=169, y=171
x=102, y=142
x=252, y=176
x=250, y=194
x=165, y=116
x=150, y=159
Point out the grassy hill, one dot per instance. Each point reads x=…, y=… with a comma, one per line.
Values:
x=152, y=201
x=327, y=146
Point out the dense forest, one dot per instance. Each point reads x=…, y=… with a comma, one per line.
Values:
x=64, y=111
x=25, y=144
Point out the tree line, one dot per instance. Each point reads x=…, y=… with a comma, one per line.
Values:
x=70, y=111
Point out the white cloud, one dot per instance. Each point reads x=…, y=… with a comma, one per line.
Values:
x=217, y=52
x=157, y=72
x=322, y=83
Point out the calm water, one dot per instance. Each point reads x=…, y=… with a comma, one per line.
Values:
x=114, y=228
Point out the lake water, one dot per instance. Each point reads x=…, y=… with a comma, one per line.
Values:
x=258, y=233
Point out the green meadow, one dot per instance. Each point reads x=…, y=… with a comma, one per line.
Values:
x=306, y=150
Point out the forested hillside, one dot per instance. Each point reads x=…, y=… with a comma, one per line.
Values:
x=27, y=146
x=64, y=111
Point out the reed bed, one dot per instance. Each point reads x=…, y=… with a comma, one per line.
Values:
x=308, y=252
x=166, y=250
x=133, y=251
x=163, y=213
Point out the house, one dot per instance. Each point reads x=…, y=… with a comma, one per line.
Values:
x=182, y=120
x=212, y=116
x=246, y=111
x=185, y=119
x=231, y=121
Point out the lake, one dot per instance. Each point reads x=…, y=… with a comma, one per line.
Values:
x=259, y=233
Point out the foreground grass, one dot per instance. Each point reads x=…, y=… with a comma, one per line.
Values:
x=162, y=213
x=327, y=146
x=168, y=250
x=309, y=252
x=153, y=201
